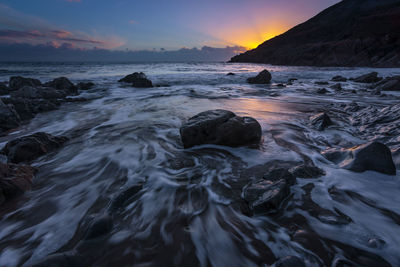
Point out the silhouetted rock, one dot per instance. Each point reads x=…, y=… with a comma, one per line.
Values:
x=4, y=90
x=263, y=77
x=368, y=78
x=17, y=82
x=85, y=85
x=267, y=195
x=38, y=92
x=349, y=33
x=336, y=87
x=230, y=74
x=14, y=180
x=320, y=121
x=372, y=156
x=220, y=127
x=322, y=91
x=137, y=79
x=64, y=84
x=32, y=146
x=99, y=227
x=339, y=79
x=9, y=118
x=290, y=261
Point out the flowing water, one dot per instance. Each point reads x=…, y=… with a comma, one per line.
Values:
x=189, y=210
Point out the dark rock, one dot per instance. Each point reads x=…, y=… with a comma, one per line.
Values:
x=349, y=33
x=266, y=195
x=291, y=80
x=372, y=156
x=320, y=121
x=4, y=90
x=322, y=91
x=9, y=118
x=138, y=79
x=26, y=92
x=307, y=171
x=85, y=85
x=67, y=259
x=336, y=87
x=32, y=146
x=100, y=226
x=352, y=107
x=14, y=180
x=230, y=74
x=17, y=82
x=389, y=84
x=76, y=99
x=290, y=261
x=63, y=84
x=121, y=200
x=281, y=85
x=264, y=77
x=322, y=83
x=43, y=105
x=339, y=79
x=368, y=78
x=220, y=127
x=50, y=93
x=22, y=107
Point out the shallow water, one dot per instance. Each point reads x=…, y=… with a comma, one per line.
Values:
x=192, y=215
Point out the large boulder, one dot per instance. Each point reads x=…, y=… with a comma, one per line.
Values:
x=17, y=82
x=372, y=156
x=9, y=118
x=31, y=147
x=26, y=92
x=368, y=78
x=220, y=127
x=22, y=107
x=137, y=79
x=14, y=180
x=263, y=77
x=320, y=121
x=63, y=84
x=4, y=90
x=267, y=194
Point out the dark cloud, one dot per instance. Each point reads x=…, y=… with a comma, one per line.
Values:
x=20, y=34
x=67, y=52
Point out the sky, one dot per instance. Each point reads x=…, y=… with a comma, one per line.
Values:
x=155, y=25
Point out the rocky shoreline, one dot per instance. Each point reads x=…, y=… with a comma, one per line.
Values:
x=261, y=190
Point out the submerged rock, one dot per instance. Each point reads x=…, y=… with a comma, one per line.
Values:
x=321, y=83
x=66, y=259
x=17, y=82
x=121, y=200
x=32, y=146
x=373, y=156
x=14, y=180
x=64, y=84
x=322, y=91
x=9, y=118
x=263, y=77
x=339, y=79
x=337, y=87
x=290, y=261
x=266, y=195
x=220, y=127
x=320, y=121
x=368, y=78
x=99, y=227
x=137, y=79
x=85, y=85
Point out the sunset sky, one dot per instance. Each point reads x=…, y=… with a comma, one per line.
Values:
x=151, y=24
